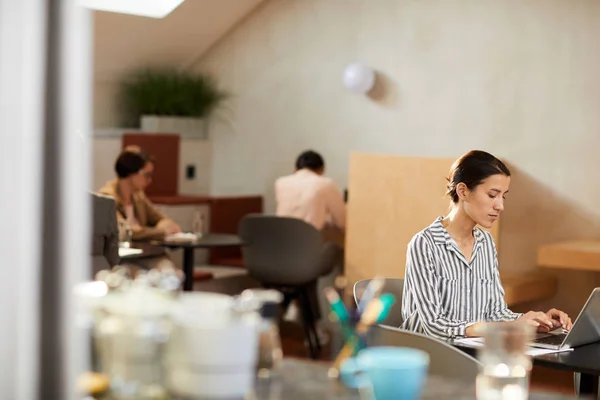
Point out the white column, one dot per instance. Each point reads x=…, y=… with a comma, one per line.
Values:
x=45, y=125
x=22, y=70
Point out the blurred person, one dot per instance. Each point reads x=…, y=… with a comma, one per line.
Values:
x=452, y=283
x=308, y=195
x=150, y=162
x=134, y=174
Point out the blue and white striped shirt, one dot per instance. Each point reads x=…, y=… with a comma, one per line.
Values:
x=443, y=292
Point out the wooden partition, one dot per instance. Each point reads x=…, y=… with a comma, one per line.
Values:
x=390, y=199
x=225, y=216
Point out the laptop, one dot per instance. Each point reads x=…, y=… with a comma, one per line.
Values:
x=585, y=330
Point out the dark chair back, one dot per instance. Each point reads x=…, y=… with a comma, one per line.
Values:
x=393, y=286
x=105, y=233
x=280, y=250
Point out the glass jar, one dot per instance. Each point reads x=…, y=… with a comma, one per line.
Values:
x=130, y=342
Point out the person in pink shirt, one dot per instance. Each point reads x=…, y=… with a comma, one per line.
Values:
x=308, y=195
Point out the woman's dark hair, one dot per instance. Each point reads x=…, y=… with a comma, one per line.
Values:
x=133, y=148
x=472, y=169
x=310, y=160
x=129, y=163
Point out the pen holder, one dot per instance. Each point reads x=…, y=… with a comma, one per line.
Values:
x=351, y=342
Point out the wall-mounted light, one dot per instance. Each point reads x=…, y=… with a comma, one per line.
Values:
x=358, y=77
x=144, y=8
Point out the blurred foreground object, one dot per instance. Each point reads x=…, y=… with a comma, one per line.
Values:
x=505, y=366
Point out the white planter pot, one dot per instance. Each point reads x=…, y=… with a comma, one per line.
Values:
x=196, y=128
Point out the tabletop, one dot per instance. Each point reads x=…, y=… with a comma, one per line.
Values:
x=148, y=251
x=298, y=379
x=206, y=240
x=583, y=359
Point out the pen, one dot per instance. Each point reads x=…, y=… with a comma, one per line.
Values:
x=371, y=291
x=338, y=308
x=376, y=310
x=336, y=304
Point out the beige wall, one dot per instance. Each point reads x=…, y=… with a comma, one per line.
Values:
x=106, y=107
x=124, y=42
x=518, y=78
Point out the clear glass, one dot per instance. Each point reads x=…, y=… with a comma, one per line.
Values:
x=269, y=348
x=505, y=368
x=198, y=225
x=125, y=234
x=130, y=342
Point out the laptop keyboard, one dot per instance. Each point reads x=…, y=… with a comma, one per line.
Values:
x=552, y=340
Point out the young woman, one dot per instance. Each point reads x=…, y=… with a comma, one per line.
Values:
x=452, y=283
x=134, y=173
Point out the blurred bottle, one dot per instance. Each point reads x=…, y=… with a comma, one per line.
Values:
x=269, y=353
x=266, y=303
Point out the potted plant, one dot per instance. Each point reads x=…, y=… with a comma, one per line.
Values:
x=168, y=100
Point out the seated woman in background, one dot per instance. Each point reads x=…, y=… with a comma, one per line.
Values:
x=452, y=284
x=134, y=173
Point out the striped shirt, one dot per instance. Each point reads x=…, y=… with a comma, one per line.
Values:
x=443, y=292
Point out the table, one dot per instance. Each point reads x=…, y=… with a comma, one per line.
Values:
x=148, y=251
x=583, y=361
x=207, y=240
x=573, y=254
x=299, y=380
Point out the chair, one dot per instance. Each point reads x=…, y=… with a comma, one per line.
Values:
x=393, y=286
x=285, y=254
x=105, y=233
x=445, y=360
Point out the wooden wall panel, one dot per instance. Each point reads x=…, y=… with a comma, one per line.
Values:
x=390, y=199
x=225, y=216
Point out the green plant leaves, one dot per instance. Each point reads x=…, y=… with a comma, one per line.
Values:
x=169, y=92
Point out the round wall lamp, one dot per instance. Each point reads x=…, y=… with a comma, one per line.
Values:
x=358, y=77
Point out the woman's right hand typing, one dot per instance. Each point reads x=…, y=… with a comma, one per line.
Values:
x=539, y=319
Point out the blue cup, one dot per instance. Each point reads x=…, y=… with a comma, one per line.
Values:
x=387, y=372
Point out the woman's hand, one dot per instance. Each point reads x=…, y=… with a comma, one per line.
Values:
x=173, y=228
x=540, y=320
x=560, y=319
x=168, y=226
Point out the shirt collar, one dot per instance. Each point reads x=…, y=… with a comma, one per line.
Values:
x=305, y=171
x=441, y=235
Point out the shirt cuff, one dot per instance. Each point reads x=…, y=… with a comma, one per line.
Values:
x=459, y=331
